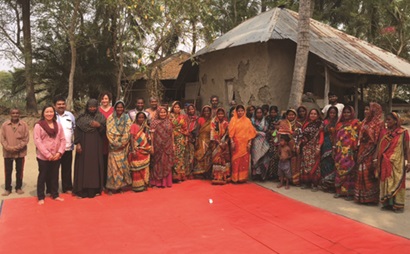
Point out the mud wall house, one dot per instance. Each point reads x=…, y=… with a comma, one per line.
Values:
x=167, y=69
x=253, y=63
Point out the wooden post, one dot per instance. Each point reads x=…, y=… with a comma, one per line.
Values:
x=356, y=100
x=361, y=93
x=327, y=86
x=390, y=105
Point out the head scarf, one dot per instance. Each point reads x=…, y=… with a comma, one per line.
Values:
x=173, y=104
x=83, y=120
x=302, y=120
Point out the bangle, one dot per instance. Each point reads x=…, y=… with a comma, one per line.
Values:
x=375, y=160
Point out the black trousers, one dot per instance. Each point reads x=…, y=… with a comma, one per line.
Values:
x=66, y=171
x=8, y=166
x=47, y=172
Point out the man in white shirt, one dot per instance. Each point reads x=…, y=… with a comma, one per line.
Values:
x=333, y=102
x=67, y=121
x=139, y=107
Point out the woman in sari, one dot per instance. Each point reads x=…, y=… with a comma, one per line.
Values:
x=302, y=115
x=347, y=133
x=250, y=110
x=192, y=121
x=162, y=142
x=273, y=120
x=118, y=134
x=392, y=162
x=367, y=185
x=241, y=133
x=139, y=157
x=311, y=142
x=327, y=163
x=89, y=163
x=180, y=127
x=203, y=153
x=221, y=157
x=260, y=146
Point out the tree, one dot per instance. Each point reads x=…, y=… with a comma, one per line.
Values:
x=302, y=53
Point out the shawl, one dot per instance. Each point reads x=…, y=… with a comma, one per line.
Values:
x=159, y=124
x=299, y=120
x=345, y=122
x=83, y=120
x=51, y=132
x=202, y=120
x=286, y=126
x=311, y=129
x=219, y=129
x=371, y=124
x=242, y=131
x=192, y=120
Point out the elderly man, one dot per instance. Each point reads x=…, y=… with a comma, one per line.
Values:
x=14, y=139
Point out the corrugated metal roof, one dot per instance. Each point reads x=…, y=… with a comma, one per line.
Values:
x=347, y=54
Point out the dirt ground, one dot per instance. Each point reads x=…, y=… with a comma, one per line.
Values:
x=372, y=215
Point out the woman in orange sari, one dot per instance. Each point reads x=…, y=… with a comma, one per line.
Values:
x=392, y=162
x=241, y=132
x=140, y=149
x=203, y=152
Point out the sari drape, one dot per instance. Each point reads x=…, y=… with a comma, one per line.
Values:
x=327, y=163
x=241, y=131
x=180, y=131
x=367, y=185
x=345, y=155
x=140, y=159
x=221, y=157
x=260, y=149
x=118, y=134
x=391, y=167
x=310, y=154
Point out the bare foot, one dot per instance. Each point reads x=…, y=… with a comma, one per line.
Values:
x=19, y=191
x=59, y=199
x=287, y=187
x=41, y=202
x=280, y=185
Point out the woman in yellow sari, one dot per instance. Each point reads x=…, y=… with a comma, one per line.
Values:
x=139, y=157
x=203, y=152
x=241, y=133
x=118, y=134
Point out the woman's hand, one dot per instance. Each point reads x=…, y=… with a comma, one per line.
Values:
x=78, y=149
x=95, y=124
x=408, y=167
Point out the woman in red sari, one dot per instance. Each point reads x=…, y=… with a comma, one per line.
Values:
x=311, y=143
x=162, y=142
x=180, y=127
x=367, y=185
x=347, y=133
x=140, y=148
x=392, y=162
x=221, y=157
x=203, y=152
x=241, y=132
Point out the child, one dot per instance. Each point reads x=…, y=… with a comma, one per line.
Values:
x=285, y=153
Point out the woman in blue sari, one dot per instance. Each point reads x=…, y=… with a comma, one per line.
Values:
x=260, y=146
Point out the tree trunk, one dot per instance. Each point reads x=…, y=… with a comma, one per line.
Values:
x=31, y=103
x=302, y=53
x=73, y=48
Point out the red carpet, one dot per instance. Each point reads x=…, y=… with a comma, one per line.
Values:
x=242, y=219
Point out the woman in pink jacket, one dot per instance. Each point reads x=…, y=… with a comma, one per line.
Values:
x=50, y=146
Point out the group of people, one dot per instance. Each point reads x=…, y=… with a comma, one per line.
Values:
x=365, y=161
x=155, y=147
